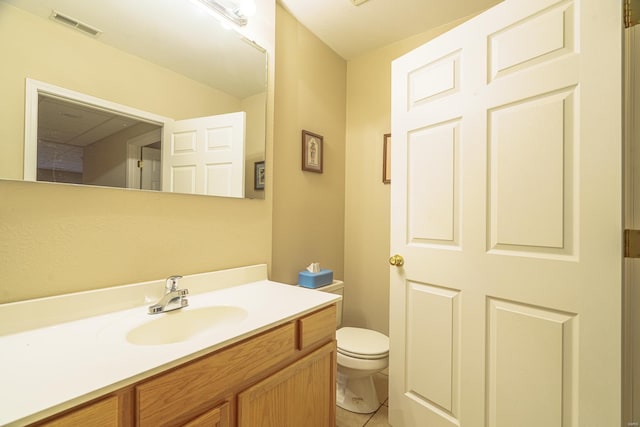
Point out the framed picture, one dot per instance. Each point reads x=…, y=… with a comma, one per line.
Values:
x=258, y=175
x=386, y=159
x=312, y=152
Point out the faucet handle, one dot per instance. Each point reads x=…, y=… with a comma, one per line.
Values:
x=172, y=283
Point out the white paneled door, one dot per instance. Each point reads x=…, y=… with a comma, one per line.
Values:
x=205, y=155
x=507, y=207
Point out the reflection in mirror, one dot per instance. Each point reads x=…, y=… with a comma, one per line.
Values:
x=80, y=144
x=203, y=155
x=173, y=61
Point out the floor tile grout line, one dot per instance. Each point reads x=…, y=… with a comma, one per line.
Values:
x=371, y=416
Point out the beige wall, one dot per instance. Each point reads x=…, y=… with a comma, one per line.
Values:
x=308, y=208
x=59, y=238
x=105, y=161
x=367, y=208
x=254, y=106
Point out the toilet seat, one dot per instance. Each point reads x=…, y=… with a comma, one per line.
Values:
x=362, y=343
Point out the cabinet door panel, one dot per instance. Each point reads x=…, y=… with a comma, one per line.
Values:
x=317, y=327
x=302, y=394
x=217, y=417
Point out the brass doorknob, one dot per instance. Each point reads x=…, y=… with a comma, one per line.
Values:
x=396, y=260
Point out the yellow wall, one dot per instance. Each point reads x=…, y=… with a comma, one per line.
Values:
x=105, y=161
x=308, y=208
x=61, y=238
x=254, y=106
x=367, y=208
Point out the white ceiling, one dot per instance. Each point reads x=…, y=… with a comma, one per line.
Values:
x=353, y=30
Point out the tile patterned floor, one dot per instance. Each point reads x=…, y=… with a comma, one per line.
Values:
x=379, y=418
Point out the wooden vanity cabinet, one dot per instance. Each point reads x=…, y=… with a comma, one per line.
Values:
x=282, y=377
x=174, y=397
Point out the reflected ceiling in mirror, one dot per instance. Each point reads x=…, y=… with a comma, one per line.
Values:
x=176, y=35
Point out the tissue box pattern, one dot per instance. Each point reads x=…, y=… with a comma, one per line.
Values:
x=315, y=280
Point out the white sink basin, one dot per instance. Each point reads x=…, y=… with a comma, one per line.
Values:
x=180, y=325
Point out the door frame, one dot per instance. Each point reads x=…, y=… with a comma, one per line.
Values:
x=630, y=342
x=133, y=155
x=35, y=88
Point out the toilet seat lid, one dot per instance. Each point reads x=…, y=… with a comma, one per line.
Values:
x=362, y=342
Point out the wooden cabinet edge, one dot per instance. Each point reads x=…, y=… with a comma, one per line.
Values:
x=116, y=408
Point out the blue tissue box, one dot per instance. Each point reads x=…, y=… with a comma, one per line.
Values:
x=315, y=280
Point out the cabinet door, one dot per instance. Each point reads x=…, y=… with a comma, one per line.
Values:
x=302, y=394
x=217, y=417
x=113, y=410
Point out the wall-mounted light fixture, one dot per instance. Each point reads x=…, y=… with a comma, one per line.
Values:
x=235, y=11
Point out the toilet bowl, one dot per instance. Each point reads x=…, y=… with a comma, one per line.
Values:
x=361, y=354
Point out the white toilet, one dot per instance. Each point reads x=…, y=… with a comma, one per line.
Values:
x=361, y=354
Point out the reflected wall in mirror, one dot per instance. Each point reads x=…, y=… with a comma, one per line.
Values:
x=168, y=58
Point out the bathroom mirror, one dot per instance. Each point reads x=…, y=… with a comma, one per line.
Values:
x=166, y=58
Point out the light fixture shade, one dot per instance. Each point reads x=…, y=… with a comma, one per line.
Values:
x=228, y=9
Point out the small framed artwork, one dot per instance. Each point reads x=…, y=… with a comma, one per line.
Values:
x=258, y=177
x=386, y=159
x=312, y=152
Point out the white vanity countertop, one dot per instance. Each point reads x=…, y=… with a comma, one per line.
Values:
x=46, y=370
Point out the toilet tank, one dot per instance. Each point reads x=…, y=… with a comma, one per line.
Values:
x=336, y=287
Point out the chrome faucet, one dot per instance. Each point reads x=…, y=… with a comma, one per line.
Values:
x=173, y=298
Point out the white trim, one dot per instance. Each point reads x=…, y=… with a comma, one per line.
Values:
x=630, y=346
x=34, y=88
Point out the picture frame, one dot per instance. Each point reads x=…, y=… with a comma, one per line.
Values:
x=312, y=152
x=386, y=159
x=258, y=175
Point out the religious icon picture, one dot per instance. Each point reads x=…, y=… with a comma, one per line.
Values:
x=311, y=152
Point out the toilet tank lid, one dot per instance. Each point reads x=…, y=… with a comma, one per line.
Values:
x=362, y=341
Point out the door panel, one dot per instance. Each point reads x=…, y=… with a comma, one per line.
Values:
x=433, y=345
x=530, y=353
x=531, y=174
x=205, y=155
x=432, y=156
x=506, y=205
